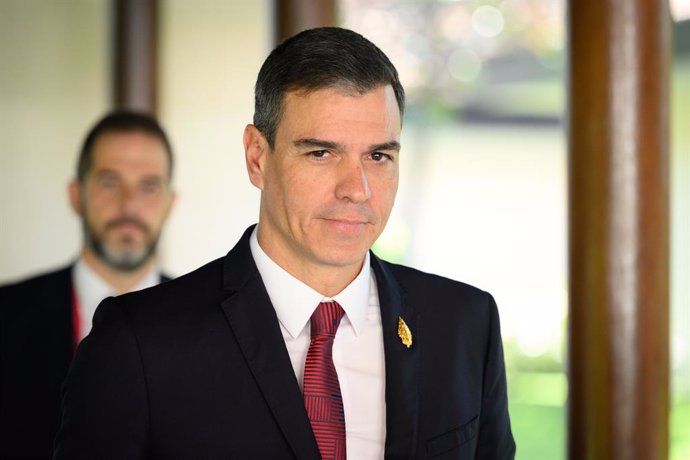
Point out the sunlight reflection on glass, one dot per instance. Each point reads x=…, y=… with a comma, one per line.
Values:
x=680, y=10
x=464, y=65
x=487, y=21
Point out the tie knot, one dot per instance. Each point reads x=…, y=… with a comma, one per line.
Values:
x=326, y=318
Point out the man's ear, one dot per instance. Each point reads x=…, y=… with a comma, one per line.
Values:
x=256, y=150
x=74, y=192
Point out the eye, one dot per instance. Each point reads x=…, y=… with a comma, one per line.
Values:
x=108, y=182
x=319, y=154
x=150, y=187
x=380, y=157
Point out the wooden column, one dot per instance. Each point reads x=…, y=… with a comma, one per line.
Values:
x=618, y=141
x=293, y=16
x=136, y=56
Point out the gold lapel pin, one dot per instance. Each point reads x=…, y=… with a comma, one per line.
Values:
x=404, y=333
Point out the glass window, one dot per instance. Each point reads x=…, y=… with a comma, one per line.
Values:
x=483, y=180
x=680, y=232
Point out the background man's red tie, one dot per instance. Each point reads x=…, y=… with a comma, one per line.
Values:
x=322, y=396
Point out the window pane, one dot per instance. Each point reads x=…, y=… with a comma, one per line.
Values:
x=483, y=180
x=680, y=234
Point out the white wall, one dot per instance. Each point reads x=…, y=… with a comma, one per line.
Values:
x=53, y=84
x=211, y=53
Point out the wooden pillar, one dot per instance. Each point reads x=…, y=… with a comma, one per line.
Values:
x=136, y=56
x=618, y=141
x=293, y=16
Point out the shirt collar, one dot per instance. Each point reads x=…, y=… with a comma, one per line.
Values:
x=294, y=301
x=91, y=288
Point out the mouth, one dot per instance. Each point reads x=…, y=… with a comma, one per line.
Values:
x=346, y=225
x=127, y=225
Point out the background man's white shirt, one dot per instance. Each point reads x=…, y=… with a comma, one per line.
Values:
x=90, y=289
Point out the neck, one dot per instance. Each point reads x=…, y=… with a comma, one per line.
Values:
x=120, y=281
x=328, y=280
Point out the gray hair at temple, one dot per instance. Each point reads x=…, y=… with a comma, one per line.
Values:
x=325, y=57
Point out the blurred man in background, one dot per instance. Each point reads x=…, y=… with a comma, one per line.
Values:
x=122, y=194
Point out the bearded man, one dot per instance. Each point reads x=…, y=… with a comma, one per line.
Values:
x=122, y=194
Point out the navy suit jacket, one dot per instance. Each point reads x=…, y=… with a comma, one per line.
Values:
x=198, y=368
x=36, y=348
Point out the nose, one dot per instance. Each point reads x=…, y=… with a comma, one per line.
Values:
x=129, y=200
x=353, y=184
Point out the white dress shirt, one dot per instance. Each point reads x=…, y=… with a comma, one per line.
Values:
x=357, y=350
x=90, y=289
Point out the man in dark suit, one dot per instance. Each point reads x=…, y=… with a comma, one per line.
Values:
x=300, y=343
x=122, y=195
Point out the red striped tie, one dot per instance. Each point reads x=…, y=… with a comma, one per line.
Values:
x=321, y=388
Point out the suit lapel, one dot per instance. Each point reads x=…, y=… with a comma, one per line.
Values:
x=255, y=325
x=402, y=366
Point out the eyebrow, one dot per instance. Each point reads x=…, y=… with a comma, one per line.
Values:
x=149, y=177
x=392, y=145
x=329, y=145
x=317, y=143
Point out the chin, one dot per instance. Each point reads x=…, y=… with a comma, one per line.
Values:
x=127, y=254
x=340, y=258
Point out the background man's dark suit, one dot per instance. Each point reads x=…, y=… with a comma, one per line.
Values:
x=197, y=368
x=36, y=348
x=37, y=344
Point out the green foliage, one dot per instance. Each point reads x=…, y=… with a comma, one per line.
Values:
x=680, y=431
x=539, y=431
x=538, y=417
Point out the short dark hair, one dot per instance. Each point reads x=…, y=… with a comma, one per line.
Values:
x=324, y=57
x=118, y=122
